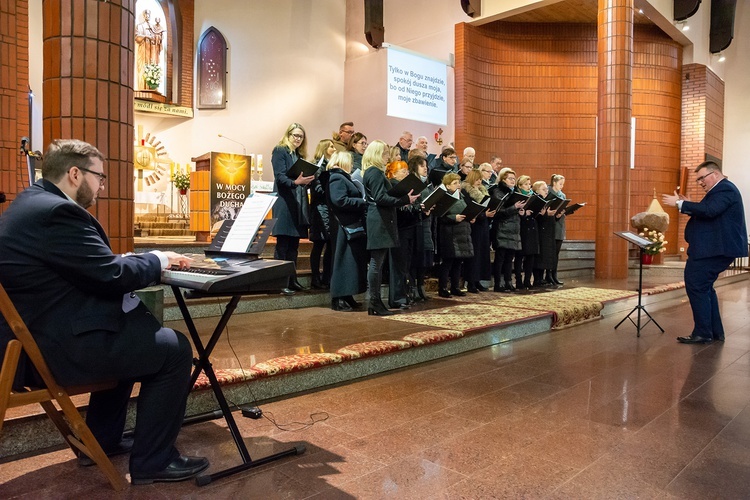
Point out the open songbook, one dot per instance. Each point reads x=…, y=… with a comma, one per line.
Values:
x=570, y=209
x=473, y=209
x=237, y=236
x=441, y=199
x=409, y=183
x=556, y=204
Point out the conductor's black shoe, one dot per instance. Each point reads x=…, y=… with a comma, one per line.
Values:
x=694, y=340
x=180, y=469
x=121, y=448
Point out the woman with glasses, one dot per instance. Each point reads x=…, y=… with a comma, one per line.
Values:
x=506, y=231
x=357, y=146
x=382, y=231
x=291, y=209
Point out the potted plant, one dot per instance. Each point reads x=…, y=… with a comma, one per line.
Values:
x=658, y=246
x=181, y=181
x=152, y=75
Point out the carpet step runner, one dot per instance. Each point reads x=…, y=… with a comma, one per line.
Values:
x=566, y=307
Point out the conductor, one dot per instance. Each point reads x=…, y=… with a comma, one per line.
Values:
x=716, y=235
x=76, y=298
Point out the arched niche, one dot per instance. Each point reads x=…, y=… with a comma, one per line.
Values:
x=212, y=70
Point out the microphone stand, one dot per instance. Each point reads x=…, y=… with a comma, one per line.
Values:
x=31, y=157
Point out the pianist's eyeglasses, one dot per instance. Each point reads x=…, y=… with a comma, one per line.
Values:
x=102, y=177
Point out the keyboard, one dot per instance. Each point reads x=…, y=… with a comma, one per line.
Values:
x=224, y=276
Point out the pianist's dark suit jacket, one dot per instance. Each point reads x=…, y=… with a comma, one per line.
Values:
x=68, y=286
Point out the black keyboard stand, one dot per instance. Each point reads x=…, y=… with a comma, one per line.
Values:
x=203, y=363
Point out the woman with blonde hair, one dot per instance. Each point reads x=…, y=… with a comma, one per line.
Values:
x=529, y=239
x=479, y=267
x=347, y=206
x=545, y=261
x=382, y=231
x=555, y=188
x=291, y=209
x=506, y=231
x=319, y=218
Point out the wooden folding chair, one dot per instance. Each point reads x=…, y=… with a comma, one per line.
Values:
x=70, y=423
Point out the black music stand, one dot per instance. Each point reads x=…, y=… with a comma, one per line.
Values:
x=203, y=363
x=641, y=243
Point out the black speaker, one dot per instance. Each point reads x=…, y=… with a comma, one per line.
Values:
x=374, y=29
x=685, y=8
x=722, y=24
x=473, y=8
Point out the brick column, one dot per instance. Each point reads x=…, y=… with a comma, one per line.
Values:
x=14, y=88
x=88, y=95
x=615, y=90
x=702, y=133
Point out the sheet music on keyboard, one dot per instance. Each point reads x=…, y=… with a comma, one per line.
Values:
x=246, y=225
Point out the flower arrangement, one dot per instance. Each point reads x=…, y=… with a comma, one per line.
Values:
x=152, y=75
x=657, y=237
x=181, y=180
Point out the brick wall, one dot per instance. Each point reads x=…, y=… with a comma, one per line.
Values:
x=528, y=92
x=702, y=133
x=14, y=87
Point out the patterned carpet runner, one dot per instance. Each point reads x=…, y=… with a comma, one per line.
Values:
x=474, y=312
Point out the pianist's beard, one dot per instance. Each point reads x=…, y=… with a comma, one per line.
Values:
x=85, y=196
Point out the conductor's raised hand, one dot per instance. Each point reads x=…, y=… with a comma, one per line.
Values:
x=671, y=199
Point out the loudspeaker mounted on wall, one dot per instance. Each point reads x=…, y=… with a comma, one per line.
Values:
x=722, y=25
x=374, y=29
x=685, y=8
x=473, y=8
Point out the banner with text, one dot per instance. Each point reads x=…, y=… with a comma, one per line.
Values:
x=230, y=185
x=417, y=87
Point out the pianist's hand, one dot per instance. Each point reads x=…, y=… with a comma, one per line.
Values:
x=178, y=260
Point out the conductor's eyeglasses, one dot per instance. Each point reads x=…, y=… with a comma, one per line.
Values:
x=699, y=179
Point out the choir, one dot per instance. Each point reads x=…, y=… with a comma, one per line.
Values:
x=359, y=220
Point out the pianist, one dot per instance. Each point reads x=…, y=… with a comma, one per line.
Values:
x=75, y=296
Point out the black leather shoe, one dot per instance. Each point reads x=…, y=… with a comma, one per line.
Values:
x=481, y=287
x=339, y=305
x=472, y=289
x=297, y=286
x=122, y=447
x=180, y=469
x=694, y=340
x=351, y=302
x=287, y=291
x=444, y=293
x=457, y=292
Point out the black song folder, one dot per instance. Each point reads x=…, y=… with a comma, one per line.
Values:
x=409, y=183
x=302, y=166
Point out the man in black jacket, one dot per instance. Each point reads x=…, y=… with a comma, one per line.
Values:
x=76, y=298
